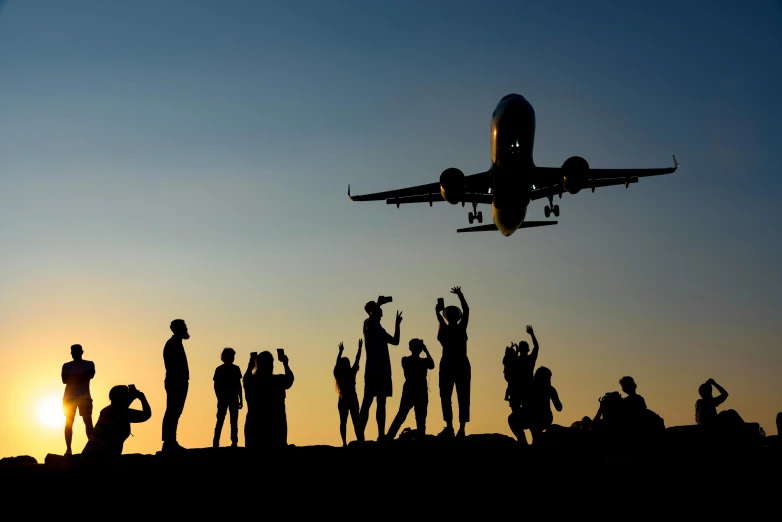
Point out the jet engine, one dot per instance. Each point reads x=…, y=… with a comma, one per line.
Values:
x=576, y=174
x=452, y=185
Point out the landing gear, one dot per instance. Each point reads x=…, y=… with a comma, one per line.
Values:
x=475, y=215
x=551, y=208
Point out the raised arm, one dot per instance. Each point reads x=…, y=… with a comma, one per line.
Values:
x=144, y=414
x=288, y=372
x=429, y=360
x=395, y=339
x=463, y=302
x=339, y=353
x=723, y=394
x=358, y=354
x=535, y=346
x=438, y=310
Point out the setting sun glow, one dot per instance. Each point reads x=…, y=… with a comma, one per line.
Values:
x=50, y=412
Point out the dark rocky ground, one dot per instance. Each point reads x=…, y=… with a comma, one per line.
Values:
x=481, y=475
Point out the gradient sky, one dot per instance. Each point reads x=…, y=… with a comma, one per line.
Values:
x=190, y=159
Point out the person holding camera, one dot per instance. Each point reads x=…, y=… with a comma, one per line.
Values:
x=706, y=407
x=377, y=375
x=455, y=368
x=113, y=426
x=76, y=376
x=415, y=393
x=267, y=421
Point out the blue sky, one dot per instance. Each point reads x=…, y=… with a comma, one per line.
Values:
x=162, y=159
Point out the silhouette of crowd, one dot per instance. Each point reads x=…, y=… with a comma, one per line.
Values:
x=620, y=422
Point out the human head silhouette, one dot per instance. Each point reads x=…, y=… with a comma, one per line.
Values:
x=374, y=310
x=628, y=385
x=228, y=355
x=343, y=365
x=524, y=348
x=543, y=375
x=586, y=424
x=264, y=363
x=76, y=352
x=179, y=328
x=120, y=396
x=416, y=347
x=452, y=314
x=705, y=390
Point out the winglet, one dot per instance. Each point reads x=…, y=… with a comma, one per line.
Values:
x=675, y=163
x=349, y=197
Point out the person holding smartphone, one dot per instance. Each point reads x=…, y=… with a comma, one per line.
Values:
x=455, y=368
x=113, y=426
x=377, y=375
x=265, y=393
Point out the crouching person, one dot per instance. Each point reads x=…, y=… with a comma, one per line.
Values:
x=113, y=426
x=415, y=393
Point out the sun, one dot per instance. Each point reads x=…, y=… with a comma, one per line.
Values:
x=50, y=412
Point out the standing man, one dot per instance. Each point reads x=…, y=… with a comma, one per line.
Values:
x=454, y=366
x=76, y=377
x=377, y=375
x=177, y=380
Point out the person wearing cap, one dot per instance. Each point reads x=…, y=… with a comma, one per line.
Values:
x=415, y=392
x=377, y=374
x=76, y=376
x=454, y=365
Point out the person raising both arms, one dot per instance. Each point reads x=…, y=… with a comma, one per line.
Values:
x=345, y=378
x=455, y=368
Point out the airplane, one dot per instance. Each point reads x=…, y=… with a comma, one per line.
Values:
x=513, y=180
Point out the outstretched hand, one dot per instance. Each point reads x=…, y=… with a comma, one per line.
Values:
x=360, y=343
x=341, y=347
x=530, y=330
x=456, y=290
x=398, y=317
x=513, y=346
x=283, y=359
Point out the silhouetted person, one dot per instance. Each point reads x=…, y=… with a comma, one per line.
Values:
x=345, y=378
x=634, y=405
x=76, y=377
x=706, y=407
x=586, y=424
x=249, y=435
x=609, y=416
x=779, y=423
x=228, y=389
x=519, y=364
x=113, y=426
x=266, y=401
x=176, y=383
x=377, y=375
x=536, y=414
x=454, y=365
x=415, y=392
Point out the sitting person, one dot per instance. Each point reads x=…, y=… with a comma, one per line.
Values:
x=415, y=393
x=633, y=403
x=536, y=414
x=113, y=426
x=706, y=407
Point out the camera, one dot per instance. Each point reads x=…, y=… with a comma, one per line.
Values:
x=383, y=300
x=132, y=389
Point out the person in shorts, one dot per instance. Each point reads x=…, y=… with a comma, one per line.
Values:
x=76, y=376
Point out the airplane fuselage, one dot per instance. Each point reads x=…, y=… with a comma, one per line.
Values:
x=512, y=141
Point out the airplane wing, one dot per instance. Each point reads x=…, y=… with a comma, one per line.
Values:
x=550, y=178
x=475, y=185
x=526, y=224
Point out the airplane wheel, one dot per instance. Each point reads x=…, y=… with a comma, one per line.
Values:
x=470, y=217
x=480, y=217
x=547, y=211
x=556, y=210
